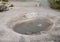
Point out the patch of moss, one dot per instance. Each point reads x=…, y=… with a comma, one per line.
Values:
x=3, y=8
x=55, y=4
x=4, y=0
x=11, y=5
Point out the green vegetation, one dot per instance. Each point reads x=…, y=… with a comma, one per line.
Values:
x=3, y=7
x=4, y=0
x=11, y=5
x=55, y=4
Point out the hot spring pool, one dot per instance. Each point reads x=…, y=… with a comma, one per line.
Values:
x=34, y=26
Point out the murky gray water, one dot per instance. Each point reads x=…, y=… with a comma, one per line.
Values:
x=32, y=27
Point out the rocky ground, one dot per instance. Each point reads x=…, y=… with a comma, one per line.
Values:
x=16, y=14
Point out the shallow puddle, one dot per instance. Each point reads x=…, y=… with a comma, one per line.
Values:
x=32, y=27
